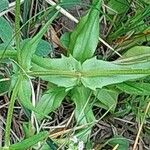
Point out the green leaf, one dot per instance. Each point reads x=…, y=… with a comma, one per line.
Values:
x=119, y=6
x=84, y=39
x=3, y=5
x=107, y=98
x=4, y=85
x=98, y=73
x=137, y=88
x=24, y=94
x=61, y=71
x=50, y=101
x=123, y=142
x=30, y=47
x=28, y=129
x=6, y=30
x=4, y=46
x=83, y=110
x=27, y=143
x=43, y=48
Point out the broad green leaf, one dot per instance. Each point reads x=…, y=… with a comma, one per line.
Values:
x=27, y=143
x=30, y=47
x=43, y=48
x=6, y=30
x=119, y=6
x=61, y=71
x=4, y=85
x=107, y=98
x=98, y=73
x=84, y=39
x=50, y=101
x=83, y=109
x=137, y=88
x=3, y=5
x=123, y=142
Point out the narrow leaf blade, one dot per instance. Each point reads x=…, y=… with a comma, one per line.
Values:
x=136, y=88
x=27, y=143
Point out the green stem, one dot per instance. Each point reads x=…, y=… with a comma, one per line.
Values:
x=91, y=73
x=105, y=73
x=10, y=112
x=17, y=28
x=55, y=72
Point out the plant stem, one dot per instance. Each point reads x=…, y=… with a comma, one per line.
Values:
x=17, y=28
x=91, y=73
x=10, y=112
x=107, y=73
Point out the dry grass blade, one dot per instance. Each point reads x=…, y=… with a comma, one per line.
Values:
x=55, y=135
x=116, y=147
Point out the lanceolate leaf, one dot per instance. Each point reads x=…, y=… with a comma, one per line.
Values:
x=137, y=88
x=98, y=73
x=84, y=39
x=83, y=110
x=67, y=72
x=61, y=71
x=50, y=101
x=81, y=96
x=27, y=143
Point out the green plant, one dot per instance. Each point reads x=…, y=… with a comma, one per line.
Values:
x=78, y=74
